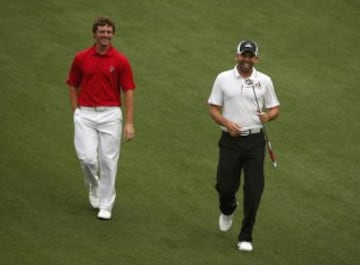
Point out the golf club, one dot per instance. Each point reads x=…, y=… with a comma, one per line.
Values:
x=266, y=136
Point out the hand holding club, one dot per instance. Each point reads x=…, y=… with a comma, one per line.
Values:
x=264, y=117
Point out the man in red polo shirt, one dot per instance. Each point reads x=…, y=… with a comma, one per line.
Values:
x=97, y=78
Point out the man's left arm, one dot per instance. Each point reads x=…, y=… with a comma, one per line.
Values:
x=129, y=130
x=270, y=114
x=270, y=100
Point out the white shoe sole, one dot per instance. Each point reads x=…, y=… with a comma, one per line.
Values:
x=104, y=215
x=225, y=222
x=245, y=246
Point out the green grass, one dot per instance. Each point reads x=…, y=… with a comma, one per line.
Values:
x=166, y=209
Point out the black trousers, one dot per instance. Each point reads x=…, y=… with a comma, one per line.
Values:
x=236, y=155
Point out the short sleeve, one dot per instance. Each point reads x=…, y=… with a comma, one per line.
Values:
x=216, y=95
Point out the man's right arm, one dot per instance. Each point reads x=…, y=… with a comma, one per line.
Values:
x=216, y=114
x=74, y=93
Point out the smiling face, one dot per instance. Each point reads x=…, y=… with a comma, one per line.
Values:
x=245, y=63
x=103, y=36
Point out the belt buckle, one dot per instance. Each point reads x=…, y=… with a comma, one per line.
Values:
x=245, y=133
x=99, y=109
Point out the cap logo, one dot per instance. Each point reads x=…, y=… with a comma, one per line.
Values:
x=247, y=46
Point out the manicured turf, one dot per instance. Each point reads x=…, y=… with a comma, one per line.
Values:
x=166, y=210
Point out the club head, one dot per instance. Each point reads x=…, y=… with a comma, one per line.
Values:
x=249, y=82
x=274, y=164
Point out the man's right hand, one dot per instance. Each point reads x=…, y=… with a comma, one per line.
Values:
x=233, y=128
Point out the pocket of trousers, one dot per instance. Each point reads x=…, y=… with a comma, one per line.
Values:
x=120, y=115
x=76, y=115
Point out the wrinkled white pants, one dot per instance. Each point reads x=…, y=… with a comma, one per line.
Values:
x=97, y=141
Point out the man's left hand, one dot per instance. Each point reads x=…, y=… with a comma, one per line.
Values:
x=264, y=117
x=129, y=132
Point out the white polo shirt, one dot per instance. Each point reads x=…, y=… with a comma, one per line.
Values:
x=235, y=95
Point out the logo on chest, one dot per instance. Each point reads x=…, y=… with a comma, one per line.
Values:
x=111, y=68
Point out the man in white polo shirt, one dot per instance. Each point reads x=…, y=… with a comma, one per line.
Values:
x=232, y=104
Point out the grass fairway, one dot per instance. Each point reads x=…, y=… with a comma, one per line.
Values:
x=166, y=210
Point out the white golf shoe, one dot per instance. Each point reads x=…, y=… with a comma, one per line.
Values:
x=245, y=246
x=225, y=222
x=104, y=214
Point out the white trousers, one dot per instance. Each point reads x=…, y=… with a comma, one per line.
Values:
x=97, y=141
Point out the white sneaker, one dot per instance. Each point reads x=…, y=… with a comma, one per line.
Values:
x=225, y=222
x=245, y=246
x=93, y=196
x=104, y=214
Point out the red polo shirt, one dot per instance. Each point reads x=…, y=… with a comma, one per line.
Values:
x=100, y=77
